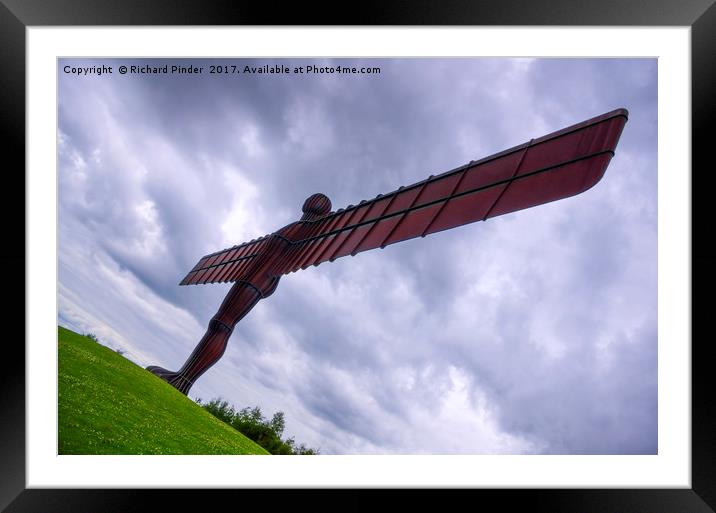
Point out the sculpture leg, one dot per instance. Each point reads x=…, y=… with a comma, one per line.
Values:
x=238, y=302
x=209, y=350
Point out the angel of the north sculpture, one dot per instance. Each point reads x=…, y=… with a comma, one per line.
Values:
x=552, y=167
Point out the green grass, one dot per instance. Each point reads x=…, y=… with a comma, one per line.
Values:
x=109, y=405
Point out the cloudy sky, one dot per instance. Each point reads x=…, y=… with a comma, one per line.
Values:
x=535, y=332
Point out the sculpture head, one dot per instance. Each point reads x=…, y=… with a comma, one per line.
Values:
x=315, y=206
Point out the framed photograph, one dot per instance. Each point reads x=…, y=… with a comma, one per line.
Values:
x=547, y=352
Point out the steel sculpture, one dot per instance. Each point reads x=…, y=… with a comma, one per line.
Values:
x=555, y=166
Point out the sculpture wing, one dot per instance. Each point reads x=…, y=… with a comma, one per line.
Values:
x=224, y=266
x=555, y=166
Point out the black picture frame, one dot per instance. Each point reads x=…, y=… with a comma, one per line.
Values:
x=17, y=15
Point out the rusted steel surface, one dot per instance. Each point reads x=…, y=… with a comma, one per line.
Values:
x=552, y=167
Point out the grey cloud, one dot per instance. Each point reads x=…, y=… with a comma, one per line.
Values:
x=549, y=313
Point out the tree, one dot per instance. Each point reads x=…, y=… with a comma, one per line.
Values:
x=252, y=424
x=278, y=423
x=220, y=409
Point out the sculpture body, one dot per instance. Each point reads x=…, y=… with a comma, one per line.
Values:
x=546, y=169
x=258, y=282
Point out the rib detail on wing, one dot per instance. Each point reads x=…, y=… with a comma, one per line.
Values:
x=225, y=265
x=552, y=167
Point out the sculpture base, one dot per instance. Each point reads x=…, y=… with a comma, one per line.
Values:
x=175, y=379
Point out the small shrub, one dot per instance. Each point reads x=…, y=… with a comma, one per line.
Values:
x=220, y=409
x=92, y=337
x=251, y=423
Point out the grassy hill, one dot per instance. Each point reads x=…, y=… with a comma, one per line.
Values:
x=109, y=405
